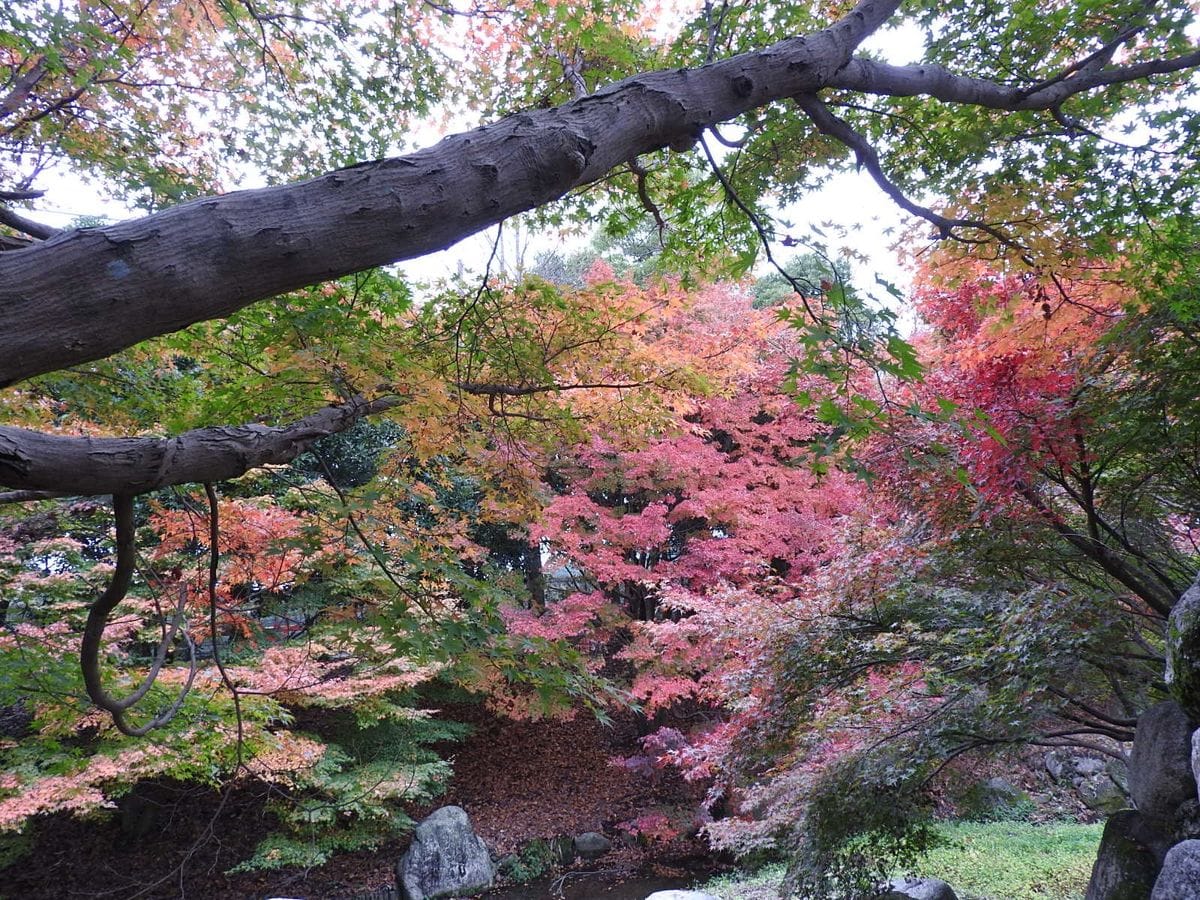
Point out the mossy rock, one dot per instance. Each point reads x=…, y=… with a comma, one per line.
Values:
x=1183, y=651
x=1125, y=866
x=995, y=800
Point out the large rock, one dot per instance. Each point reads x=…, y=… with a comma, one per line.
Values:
x=682, y=895
x=1185, y=825
x=592, y=845
x=1183, y=650
x=1102, y=785
x=1125, y=866
x=1160, y=767
x=1056, y=763
x=1180, y=875
x=446, y=859
x=994, y=799
x=908, y=888
x=1101, y=793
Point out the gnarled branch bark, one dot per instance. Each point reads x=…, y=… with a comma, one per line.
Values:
x=873, y=77
x=85, y=294
x=19, y=223
x=75, y=466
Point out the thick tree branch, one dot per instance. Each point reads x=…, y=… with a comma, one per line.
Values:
x=33, y=461
x=24, y=225
x=873, y=77
x=8, y=196
x=86, y=294
x=22, y=87
x=840, y=129
x=1096, y=60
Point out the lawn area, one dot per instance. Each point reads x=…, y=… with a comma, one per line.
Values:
x=1015, y=860
x=983, y=861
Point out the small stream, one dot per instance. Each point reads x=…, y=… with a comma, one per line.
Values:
x=601, y=886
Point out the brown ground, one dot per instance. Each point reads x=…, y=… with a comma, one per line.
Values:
x=518, y=781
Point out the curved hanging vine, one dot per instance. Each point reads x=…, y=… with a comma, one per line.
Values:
x=97, y=621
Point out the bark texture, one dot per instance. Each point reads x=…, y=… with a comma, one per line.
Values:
x=85, y=294
x=33, y=461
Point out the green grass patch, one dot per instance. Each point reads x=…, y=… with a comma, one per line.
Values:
x=983, y=861
x=1014, y=860
x=753, y=884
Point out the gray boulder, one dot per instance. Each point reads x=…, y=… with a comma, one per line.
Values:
x=682, y=895
x=592, y=845
x=1183, y=650
x=1180, y=875
x=1160, y=766
x=908, y=888
x=1102, y=785
x=1100, y=793
x=1056, y=763
x=446, y=859
x=1118, y=771
x=1126, y=865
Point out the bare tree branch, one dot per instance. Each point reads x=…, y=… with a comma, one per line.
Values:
x=641, y=173
x=87, y=293
x=85, y=466
x=24, y=225
x=8, y=196
x=874, y=77
x=835, y=127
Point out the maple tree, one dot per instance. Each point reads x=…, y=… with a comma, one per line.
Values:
x=1026, y=534
x=698, y=534
x=579, y=141
x=127, y=350
x=375, y=565
x=62, y=757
